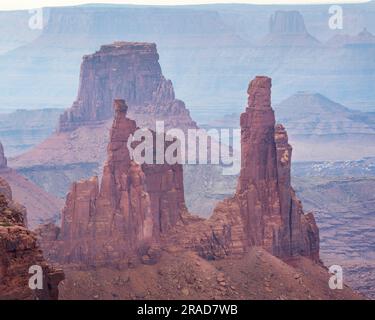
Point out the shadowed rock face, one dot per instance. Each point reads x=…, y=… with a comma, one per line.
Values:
x=132, y=207
x=127, y=70
x=19, y=251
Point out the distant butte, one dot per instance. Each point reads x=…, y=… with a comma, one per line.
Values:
x=126, y=70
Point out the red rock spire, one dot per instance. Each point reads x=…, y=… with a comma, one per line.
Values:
x=133, y=206
x=264, y=210
x=272, y=213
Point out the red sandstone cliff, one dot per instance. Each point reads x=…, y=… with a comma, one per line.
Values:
x=131, y=71
x=272, y=214
x=19, y=251
x=124, y=216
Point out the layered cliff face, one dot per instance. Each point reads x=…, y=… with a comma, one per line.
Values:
x=129, y=70
x=264, y=210
x=125, y=215
x=19, y=251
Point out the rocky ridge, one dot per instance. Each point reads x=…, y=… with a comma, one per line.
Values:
x=19, y=251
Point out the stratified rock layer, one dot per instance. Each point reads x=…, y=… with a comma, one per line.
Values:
x=130, y=71
x=18, y=252
x=127, y=213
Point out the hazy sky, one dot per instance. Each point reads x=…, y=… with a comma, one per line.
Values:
x=27, y=4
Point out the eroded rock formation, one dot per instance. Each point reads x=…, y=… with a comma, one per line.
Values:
x=273, y=216
x=19, y=251
x=264, y=210
x=106, y=222
x=139, y=208
x=129, y=70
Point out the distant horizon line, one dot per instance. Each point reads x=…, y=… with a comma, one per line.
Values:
x=25, y=5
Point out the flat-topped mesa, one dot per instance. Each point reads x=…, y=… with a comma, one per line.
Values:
x=287, y=28
x=264, y=210
x=133, y=206
x=287, y=22
x=130, y=70
x=3, y=160
x=19, y=251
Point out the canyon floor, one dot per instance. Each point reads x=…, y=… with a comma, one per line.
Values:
x=185, y=275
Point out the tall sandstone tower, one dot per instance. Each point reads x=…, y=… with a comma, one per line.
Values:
x=272, y=214
x=104, y=223
x=264, y=210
